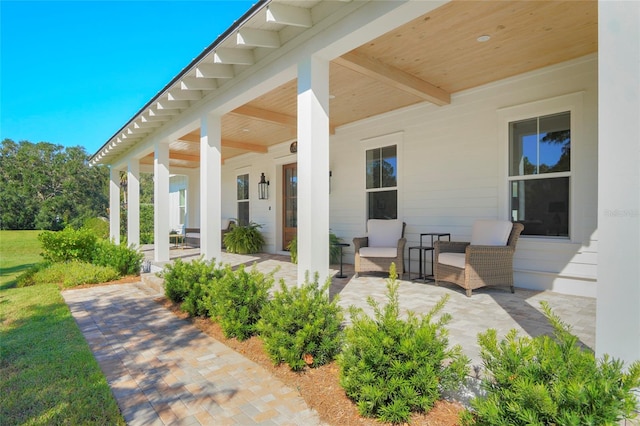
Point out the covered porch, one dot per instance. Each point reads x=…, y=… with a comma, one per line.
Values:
x=488, y=308
x=441, y=83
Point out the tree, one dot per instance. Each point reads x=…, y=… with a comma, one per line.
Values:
x=47, y=186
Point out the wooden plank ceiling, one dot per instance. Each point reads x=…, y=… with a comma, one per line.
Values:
x=429, y=58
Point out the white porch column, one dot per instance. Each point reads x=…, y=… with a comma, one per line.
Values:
x=210, y=190
x=161, y=202
x=114, y=205
x=313, y=168
x=618, y=293
x=133, y=202
x=193, y=200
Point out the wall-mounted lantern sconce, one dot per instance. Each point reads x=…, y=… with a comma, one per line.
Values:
x=330, y=175
x=263, y=188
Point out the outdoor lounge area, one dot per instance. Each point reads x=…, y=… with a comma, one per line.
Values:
x=488, y=308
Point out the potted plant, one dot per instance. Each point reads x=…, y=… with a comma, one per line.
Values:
x=244, y=239
x=334, y=251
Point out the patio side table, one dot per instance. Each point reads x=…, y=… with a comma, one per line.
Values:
x=422, y=259
x=433, y=235
x=341, y=245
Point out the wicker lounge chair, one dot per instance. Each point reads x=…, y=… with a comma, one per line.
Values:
x=485, y=261
x=383, y=245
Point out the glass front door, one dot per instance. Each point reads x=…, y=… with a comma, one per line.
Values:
x=290, y=203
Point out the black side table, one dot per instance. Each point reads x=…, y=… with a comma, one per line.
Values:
x=341, y=245
x=422, y=274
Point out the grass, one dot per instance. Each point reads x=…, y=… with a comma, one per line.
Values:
x=48, y=374
x=19, y=250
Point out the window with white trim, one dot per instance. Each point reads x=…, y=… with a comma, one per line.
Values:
x=540, y=174
x=382, y=182
x=243, y=199
x=182, y=205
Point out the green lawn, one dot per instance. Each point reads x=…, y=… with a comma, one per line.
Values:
x=18, y=251
x=47, y=372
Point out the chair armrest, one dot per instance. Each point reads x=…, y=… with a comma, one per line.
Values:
x=360, y=242
x=450, y=246
x=489, y=250
x=401, y=243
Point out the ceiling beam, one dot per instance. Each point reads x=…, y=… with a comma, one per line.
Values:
x=244, y=146
x=233, y=56
x=266, y=115
x=185, y=157
x=289, y=15
x=394, y=77
x=258, y=38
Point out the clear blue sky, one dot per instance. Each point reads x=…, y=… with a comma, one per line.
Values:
x=74, y=72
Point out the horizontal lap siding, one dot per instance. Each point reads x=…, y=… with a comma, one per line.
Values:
x=451, y=173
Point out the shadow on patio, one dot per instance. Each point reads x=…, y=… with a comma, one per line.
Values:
x=488, y=307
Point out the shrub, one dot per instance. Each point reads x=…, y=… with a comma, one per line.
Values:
x=70, y=274
x=301, y=326
x=125, y=260
x=550, y=380
x=391, y=367
x=26, y=278
x=240, y=297
x=68, y=244
x=334, y=251
x=98, y=226
x=146, y=238
x=180, y=279
x=244, y=239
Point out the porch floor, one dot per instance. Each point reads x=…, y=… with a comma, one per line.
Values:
x=495, y=308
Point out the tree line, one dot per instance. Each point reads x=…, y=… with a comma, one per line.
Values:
x=48, y=186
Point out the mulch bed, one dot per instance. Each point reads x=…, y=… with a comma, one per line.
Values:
x=319, y=387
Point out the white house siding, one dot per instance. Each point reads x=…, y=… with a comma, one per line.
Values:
x=452, y=169
x=176, y=183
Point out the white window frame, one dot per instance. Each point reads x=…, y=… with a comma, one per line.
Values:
x=397, y=139
x=248, y=199
x=572, y=103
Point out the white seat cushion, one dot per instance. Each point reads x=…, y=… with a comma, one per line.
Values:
x=378, y=252
x=225, y=224
x=384, y=233
x=452, y=259
x=490, y=232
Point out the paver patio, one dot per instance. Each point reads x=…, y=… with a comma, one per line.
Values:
x=163, y=370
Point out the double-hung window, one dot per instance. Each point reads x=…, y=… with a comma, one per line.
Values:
x=540, y=174
x=242, y=185
x=382, y=182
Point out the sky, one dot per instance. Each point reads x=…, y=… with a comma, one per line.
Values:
x=74, y=72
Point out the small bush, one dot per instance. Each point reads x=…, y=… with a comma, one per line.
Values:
x=301, y=326
x=180, y=279
x=146, y=238
x=240, y=297
x=70, y=274
x=68, y=244
x=125, y=260
x=550, y=380
x=244, y=239
x=26, y=279
x=98, y=226
x=391, y=367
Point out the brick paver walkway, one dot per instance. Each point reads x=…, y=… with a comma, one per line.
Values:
x=163, y=370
